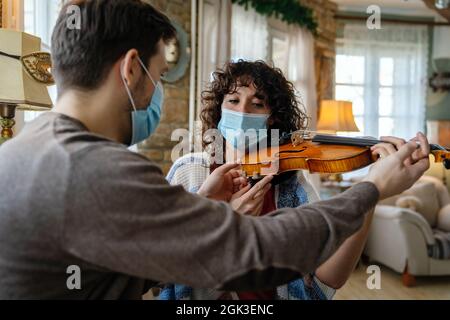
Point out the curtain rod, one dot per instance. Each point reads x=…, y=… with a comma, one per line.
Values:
x=390, y=20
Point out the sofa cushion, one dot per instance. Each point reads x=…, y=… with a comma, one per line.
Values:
x=443, y=219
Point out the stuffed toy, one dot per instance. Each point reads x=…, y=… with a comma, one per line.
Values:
x=409, y=202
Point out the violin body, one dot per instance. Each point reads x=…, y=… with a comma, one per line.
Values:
x=312, y=156
x=321, y=154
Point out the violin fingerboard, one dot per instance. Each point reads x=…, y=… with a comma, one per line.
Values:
x=350, y=141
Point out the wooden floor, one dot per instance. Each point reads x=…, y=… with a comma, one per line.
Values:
x=427, y=288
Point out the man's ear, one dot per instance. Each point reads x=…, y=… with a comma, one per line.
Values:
x=129, y=68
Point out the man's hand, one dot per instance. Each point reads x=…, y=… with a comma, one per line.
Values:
x=397, y=171
x=223, y=183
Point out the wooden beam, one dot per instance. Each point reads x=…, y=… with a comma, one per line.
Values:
x=401, y=21
x=443, y=12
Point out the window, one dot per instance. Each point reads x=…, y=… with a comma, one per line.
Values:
x=350, y=73
x=39, y=19
x=383, y=73
x=249, y=34
x=279, y=48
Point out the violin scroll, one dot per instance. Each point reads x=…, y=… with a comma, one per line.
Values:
x=441, y=155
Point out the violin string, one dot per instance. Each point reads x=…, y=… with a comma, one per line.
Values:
x=305, y=132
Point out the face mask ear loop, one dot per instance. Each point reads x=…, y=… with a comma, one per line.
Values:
x=148, y=73
x=126, y=87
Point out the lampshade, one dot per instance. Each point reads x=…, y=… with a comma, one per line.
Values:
x=17, y=85
x=337, y=116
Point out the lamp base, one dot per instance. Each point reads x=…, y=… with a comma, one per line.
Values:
x=7, y=114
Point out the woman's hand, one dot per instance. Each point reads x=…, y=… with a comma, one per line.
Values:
x=223, y=183
x=251, y=200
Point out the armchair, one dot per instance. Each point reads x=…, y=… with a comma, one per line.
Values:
x=400, y=238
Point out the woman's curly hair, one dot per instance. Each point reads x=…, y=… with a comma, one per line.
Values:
x=287, y=113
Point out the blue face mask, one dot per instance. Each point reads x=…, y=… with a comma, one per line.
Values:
x=144, y=122
x=235, y=125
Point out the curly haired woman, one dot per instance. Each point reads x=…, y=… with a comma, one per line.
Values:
x=254, y=94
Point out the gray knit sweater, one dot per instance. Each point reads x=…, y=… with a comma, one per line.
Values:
x=73, y=198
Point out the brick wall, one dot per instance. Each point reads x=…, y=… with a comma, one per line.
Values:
x=176, y=96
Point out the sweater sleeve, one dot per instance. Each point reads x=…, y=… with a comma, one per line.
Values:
x=144, y=227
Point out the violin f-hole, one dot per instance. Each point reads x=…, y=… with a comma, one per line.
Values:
x=292, y=151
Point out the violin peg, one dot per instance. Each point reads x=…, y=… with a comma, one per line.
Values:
x=256, y=176
x=447, y=164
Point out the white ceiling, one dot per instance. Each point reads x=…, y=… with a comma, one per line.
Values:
x=397, y=7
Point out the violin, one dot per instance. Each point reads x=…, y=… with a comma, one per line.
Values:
x=319, y=153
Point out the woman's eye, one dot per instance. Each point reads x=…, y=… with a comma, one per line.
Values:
x=259, y=105
x=233, y=101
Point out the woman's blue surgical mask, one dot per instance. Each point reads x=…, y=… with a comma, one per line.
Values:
x=144, y=122
x=243, y=129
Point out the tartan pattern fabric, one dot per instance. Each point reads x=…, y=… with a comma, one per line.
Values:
x=441, y=248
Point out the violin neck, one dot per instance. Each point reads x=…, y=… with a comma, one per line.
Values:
x=358, y=142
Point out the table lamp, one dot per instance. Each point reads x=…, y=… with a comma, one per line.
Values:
x=336, y=116
x=24, y=77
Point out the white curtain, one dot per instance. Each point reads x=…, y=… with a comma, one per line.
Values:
x=249, y=34
x=39, y=19
x=404, y=51
x=215, y=37
x=301, y=70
